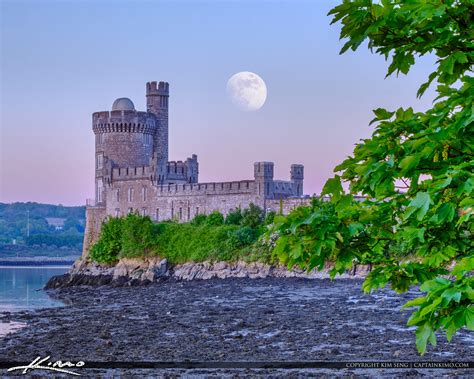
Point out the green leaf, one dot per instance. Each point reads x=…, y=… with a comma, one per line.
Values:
x=333, y=187
x=451, y=294
x=408, y=163
x=420, y=204
x=423, y=333
x=445, y=213
x=415, y=302
x=469, y=315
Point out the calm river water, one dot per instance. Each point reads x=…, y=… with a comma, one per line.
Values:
x=21, y=287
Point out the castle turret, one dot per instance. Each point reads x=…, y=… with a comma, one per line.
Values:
x=297, y=176
x=124, y=138
x=263, y=173
x=157, y=103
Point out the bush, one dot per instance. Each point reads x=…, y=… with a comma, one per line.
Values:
x=215, y=218
x=234, y=217
x=270, y=217
x=136, y=236
x=252, y=216
x=107, y=248
x=199, y=219
x=127, y=237
x=244, y=236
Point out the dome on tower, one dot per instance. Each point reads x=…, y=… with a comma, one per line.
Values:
x=123, y=104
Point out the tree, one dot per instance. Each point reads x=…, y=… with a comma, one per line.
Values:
x=414, y=224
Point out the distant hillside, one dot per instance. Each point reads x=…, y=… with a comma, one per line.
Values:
x=49, y=226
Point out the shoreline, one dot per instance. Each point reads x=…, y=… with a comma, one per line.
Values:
x=233, y=319
x=145, y=271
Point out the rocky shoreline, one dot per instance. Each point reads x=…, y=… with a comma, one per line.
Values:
x=231, y=320
x=144, y=271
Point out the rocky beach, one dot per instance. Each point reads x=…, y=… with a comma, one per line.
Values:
x=233, y=319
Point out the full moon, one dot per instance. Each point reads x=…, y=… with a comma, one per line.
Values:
x=247, y=91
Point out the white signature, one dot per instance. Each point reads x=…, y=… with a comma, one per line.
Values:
x=53, y=366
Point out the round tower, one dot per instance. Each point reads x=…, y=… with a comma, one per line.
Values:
x=123, y=138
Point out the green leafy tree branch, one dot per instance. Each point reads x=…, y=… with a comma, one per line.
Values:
x=414, y=224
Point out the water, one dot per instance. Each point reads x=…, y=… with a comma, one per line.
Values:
x=21, y=287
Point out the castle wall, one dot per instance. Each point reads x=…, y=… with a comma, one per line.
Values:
x=94, y=218
x=285, y=206
x=178, y=201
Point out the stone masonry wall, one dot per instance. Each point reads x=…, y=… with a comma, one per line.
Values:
x=178, y=201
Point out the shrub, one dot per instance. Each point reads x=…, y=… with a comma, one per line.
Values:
x=130, y=236
x=252, y=216
x=199, y=219
x=270, y=217
x=136, y=235
x=234, y=217
x=244, y=236
x=215, y=218
x=107, y=248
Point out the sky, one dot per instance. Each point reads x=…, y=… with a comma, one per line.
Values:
x=63, y=60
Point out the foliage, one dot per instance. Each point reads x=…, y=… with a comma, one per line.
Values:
x=215, y=218
x=107, y=248
x=415, y=222
x=199, y=219
x=181, y=243
x=14, y=218
x=270, y=217
x=234, y=217
x=126, y=237
x=252, y=216
x=243, y=236
x=137, y=235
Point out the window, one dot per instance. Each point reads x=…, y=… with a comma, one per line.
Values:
x=117, y=212
x=99, y=190
x=144, y=193
x=189, y=213
x=144, y=212
x=180, y=213
x=118, y=195
x=99, y=161
x=130, y=194
x=197, y=211
x=157, y=214
x=100, y=138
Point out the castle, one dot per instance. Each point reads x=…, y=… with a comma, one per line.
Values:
x=133, y=174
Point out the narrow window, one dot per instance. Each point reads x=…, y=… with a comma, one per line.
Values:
x=144, y=189
x=189, y=213
x=180, y=214
x=197, y=211
x=144, y=212
x=130, y=194
x=100, y=161
x=118, y=195
x=157, y=214
x=117, y=212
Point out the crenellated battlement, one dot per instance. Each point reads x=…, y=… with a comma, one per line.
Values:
x=129, y=173
x=123, y=122
x=162, y=88
x=212, y=188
